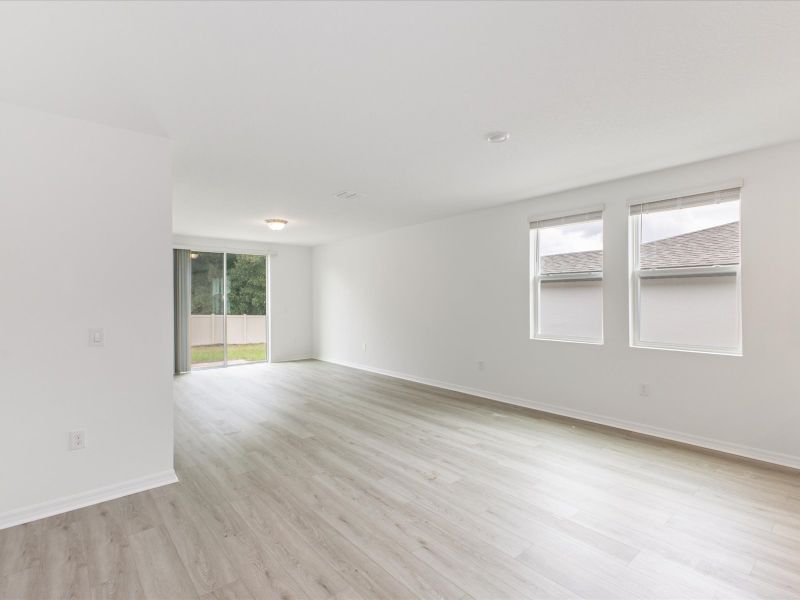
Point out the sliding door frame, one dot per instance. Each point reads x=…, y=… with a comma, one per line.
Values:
x=267, y=300
x=224, y=310
x=268, y=305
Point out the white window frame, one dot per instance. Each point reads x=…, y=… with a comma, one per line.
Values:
x=637, y=274
x=537, y=278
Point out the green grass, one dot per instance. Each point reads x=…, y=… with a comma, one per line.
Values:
x=236, y=352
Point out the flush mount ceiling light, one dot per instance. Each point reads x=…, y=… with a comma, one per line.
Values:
x=497, y=137
x=276, y=224
x=194, y=255
x=346, y=195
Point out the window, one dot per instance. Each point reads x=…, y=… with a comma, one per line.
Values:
x=567, y=278
x=685, y=280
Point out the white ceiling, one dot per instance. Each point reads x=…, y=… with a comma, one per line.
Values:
x=275, y=107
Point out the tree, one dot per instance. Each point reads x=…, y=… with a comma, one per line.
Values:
x=247, y=284
x=206, y=283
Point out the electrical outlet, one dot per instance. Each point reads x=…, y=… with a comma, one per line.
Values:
x=77, y=439
x=481, y=365
x=644, y=389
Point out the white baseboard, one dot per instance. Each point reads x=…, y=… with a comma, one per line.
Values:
x=292, y=358
x=784, y=460
x=67, y=503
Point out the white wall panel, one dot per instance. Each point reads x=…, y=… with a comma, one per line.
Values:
x=430, y=301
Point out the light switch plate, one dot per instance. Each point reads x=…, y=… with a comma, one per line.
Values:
x=97, y=337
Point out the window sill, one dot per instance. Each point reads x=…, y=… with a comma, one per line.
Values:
x=712, y=351
x=538, y=338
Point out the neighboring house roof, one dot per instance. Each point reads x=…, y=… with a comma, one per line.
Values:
x=713, y=246
x=573, y=262
x=708, y=247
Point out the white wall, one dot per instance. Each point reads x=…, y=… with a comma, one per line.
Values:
x=430, y=301
x=85, y=236
x=290, y=290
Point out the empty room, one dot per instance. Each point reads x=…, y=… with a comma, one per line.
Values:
x=399, y=300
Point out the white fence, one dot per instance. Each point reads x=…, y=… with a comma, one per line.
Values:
x=572, y=309
x=693, y=311
x=206, y=330
x=699, y=311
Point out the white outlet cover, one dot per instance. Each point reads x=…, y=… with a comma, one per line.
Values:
x=77, y=439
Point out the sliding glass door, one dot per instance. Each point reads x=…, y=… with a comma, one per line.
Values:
x=246, y=318
x=229, y=321
x=208, y=309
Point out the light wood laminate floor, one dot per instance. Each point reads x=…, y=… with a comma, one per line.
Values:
x=308, y=480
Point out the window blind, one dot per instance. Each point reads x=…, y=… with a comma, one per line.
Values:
x=728, y=195
x=595, y=215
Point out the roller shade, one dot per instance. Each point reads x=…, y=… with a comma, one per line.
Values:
x=717, y=197
x=594, y=215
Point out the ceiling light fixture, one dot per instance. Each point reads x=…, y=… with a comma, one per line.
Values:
x=276, y=224
x=497, y=137
x=346, y=195
x=194, y=255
